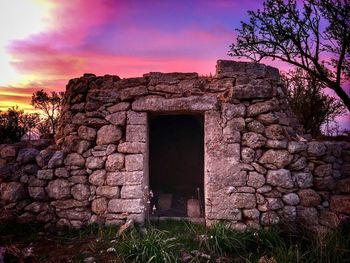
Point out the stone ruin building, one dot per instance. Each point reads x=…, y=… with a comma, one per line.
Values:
x=225, y=147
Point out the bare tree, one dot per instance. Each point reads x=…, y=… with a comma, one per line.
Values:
x=50, y=104
x=312, y=107
x=314, y=37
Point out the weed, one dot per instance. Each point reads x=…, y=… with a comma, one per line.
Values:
x=151, y=246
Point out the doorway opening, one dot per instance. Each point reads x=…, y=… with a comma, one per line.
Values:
x=176, y=165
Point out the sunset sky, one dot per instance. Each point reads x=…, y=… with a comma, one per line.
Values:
x=44, y=43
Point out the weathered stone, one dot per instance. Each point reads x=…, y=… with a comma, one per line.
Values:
x=58, y=189
x=275, y=132
x=132, y=192
x=324, y=183
x=267, y=118
x=279, y=158
x=253, y=214
x=341, y=204
x=43, y=157
x=87, y=133
x=296, y=147
x=37, y=207
x=329, y=219
x=27, y=155
x=269, y=218
x=309, y=197
x=122, y=106
x=132, y=147
x=108, y=134
x=259, y=168
x=82, y=146
x=56, y=160
x=61, y=172
x=291, y=199
x=69, y=203
x=274, y=203
x=299, y=164
x=134, y=162
x=255, y=179
x=254, y=91
x=307, y=215
x=289, y=213
x=124, y=178
x=12, y=192
x=303, y=180
x=316, y=148
x=115, y=162
x=37, y=193
x=343, y=186
x=276, y=144
x=248, y=155
x=242, y=200
x=8, y=151
x=261, y=107
x=74, y=159
x=45, y=174
x=192, y=103
x=31, y=168
x=139, y=118
x=118, y=118
x=255, y=126
x=323, y=170
x=233, y=111
x=108, y=191
x=136, y=133
x=281, y=177
x=95, y=163
x=125, y=206
x=74, y=214
x=80, y=192
x=33, y=181
x=97, y=177
x=99, y=205
x=253, y=140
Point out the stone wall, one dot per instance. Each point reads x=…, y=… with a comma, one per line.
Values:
x=260, y=169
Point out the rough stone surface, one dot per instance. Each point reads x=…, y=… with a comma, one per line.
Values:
x=309, y=197
x=58, y=189
x=74, y=159
x=97, y=177
x=279, y=158
x=94, y=163
x=253, y=140
x=281, y=177
x=291, y=199
x=115, y=162
x=80, y=192
x=27, y=155
x=87, y=133
x=108, y=134
x=12, y=192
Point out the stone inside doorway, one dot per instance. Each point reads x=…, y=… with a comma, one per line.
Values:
x=176, y=165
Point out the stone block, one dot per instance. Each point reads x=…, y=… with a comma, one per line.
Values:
x=132, y=147
x=114, y=162
x=108, y=191
x=132, y=192
x=341, y=204
x=133, y=162
x=281, y=177
x=137, y=118
x=136, y=133
x=125, y=206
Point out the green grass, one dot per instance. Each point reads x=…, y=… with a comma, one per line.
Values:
x=170, y=240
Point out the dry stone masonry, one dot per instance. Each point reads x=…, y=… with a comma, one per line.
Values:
x=260, y=169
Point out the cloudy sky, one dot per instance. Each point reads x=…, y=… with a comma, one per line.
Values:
x=44, y=43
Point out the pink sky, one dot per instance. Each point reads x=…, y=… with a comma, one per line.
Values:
x=124, y=38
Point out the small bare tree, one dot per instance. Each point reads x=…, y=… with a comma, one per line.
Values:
x=314, y=37
x=50, y=104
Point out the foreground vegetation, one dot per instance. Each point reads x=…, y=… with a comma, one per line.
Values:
x=173, y=241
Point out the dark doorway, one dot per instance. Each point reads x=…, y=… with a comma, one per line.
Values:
x=176, y=165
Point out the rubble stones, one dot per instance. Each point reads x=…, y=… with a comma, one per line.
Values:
x=309, y=197
x=56, y=160
x=253, y=140
x=114, y=162
x=316, y=149
x=80, y=192
x=108, y=134
x=27, y=155
x=58, y=189
x=12, y=192
x=279, y=158
x=87, y=133
x=74, y=159
x=281, y=177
